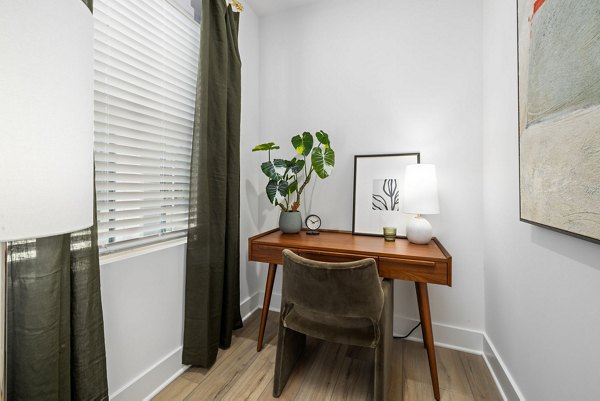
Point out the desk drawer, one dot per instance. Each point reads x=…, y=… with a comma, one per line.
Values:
x=414, y=270
x=333, y=256
x=268, y=254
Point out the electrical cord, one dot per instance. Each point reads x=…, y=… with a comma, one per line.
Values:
x=410, y=332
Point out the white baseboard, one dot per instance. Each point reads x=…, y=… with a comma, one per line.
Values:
x=250, y=304
x=166, y=382
x=504, y=381
x=458, y=338
x=143, y=387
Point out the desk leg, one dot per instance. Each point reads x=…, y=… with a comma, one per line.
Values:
x=420, y=313
x=266, y=304
x=423, y=298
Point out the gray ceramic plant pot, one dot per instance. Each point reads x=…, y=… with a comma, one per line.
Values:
x=290, y=222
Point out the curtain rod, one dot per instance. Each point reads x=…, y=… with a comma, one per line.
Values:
x=236, y=3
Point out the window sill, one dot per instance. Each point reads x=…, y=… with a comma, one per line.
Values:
x=125, y=254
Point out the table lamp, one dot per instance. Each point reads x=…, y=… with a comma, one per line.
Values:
x=420, y=197
x=46, y=126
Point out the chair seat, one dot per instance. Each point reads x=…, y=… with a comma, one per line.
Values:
x=358, y=331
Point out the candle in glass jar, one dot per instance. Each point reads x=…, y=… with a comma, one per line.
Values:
x=389, y=233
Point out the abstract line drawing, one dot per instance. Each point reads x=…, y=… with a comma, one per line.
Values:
x=386, y=195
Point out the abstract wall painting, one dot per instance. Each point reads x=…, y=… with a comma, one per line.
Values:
x=559, y=115
x=378, y=192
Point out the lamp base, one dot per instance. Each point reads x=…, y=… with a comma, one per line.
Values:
x=418, y=230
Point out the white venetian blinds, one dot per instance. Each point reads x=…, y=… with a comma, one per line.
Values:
x=146, y=60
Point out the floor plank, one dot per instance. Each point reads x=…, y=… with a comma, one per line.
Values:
x=480, y=379
x=221, y=378
x=251, y=384
x=197, y=374
x=330, y=372
x=322, y=375
x=354, y=381
x=396, y=390
x=177, y=390
x=416, y=365
x=451, y=372
x=297, y=377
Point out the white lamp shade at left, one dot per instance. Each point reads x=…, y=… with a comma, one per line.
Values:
x=46, y=118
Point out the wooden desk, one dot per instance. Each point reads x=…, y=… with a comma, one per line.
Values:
x=400, y=259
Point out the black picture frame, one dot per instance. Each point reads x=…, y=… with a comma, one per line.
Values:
x=375, y=228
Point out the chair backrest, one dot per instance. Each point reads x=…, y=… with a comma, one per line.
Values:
x=351, y=289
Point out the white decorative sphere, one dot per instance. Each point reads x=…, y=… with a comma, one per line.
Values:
x=418, y=230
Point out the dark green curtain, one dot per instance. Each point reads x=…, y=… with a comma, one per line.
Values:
x=212, y=297
x=55, y=331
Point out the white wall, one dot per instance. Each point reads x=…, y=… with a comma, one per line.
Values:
x=249, y=137
x=542, y=288
x=142, y=299
x=143, y=296
x=386, y=77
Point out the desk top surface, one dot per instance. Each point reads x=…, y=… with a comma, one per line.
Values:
x=346, y=242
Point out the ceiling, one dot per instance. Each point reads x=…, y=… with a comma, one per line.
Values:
x=264, y=7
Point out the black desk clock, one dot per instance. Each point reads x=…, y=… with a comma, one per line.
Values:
x=313, y=222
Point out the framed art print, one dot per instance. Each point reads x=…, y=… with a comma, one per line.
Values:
x=559, y=115
x=378, y=193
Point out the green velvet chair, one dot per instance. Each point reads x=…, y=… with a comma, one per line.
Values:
x=345, y=303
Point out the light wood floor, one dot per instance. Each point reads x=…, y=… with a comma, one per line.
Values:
x=329, y=372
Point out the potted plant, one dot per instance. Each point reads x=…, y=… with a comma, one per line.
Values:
x=288, y=178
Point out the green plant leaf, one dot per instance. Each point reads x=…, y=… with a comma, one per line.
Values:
x=297, y=166
x=277, y=191
x=323, y=138
x=303, y=144
x=282, y=167
x=329, y=159
x=271, y=191
x=293, y=187
x=269, y=169
x=323, y=161
x=280, y=163
x=265, y=146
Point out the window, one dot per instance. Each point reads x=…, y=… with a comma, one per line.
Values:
x=146, y=61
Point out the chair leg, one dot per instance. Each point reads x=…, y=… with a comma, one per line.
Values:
x=290, y=345
x=383, y=351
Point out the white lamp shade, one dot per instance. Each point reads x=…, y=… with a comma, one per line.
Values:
x=420, y=190
x=46, y=118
